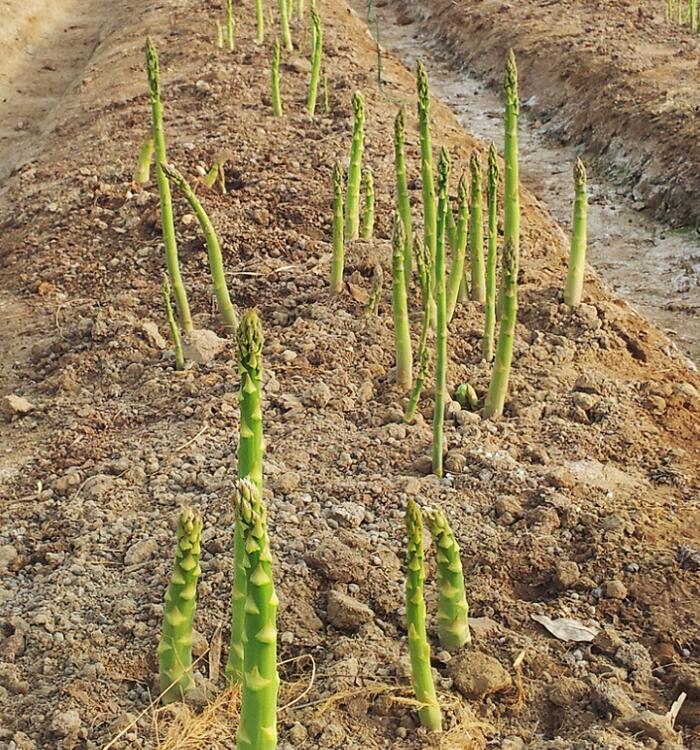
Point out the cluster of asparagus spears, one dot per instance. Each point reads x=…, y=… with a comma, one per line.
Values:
x=683, y=12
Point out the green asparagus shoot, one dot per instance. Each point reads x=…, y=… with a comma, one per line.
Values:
x=429, y=218
x=403, y=204
x=338, y=260
x=492, y=256
x=229, y=24
x=375, y=294
x=577, y=258
x=352, y=202
x=402, y=333
x=259, y=22
x=276, y=97
x=172, y=324
x=142, y=173
x=367, y=230
x=316, y=58
x=476, y=232
x=284, y=26
x=456, y=278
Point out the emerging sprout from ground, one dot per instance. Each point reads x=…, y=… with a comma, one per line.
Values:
x=251, y=448
x=465, y=396
x=367, y=230
x=403, y=205
x=402, y=332
x=216, y=261
x=172, y=324
x=453, y=610
x=175, y=647
x=276, y=97
x=352, y=202
x=257, y=729
x=476, y=232
x=375, y=294
x=316, y=57
x=259, y=22
x=418, y=645
x=229, y=24
x=142, y=173
x=219, y=34
x=166, y=205
x=508, y=300
x=492, y=256
x=577, y=258
x=456, y=280
x=284, y=26
x=338, y=260
x=429, y=217
x=217, y=172
x=441, y=319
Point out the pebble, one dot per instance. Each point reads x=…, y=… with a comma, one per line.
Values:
x=346, y=613
x=615, y=589
x=477, y=675
x=140, y=551
x=8, y=554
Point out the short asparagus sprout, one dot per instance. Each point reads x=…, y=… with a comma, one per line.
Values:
x=219, y=34
x=338, y=260
x=229, y=24
x=257, y=729
x=217, y=173
x=476, y=232
x=276, y=96
x=429, y=217
x=166, y=205
x=284, y=26
x=458, y=256
x=259, y=22
x=465, y=396
x=577, y=258
x=367, y=230
x=316, y=57
x=251, y=449
x=172, y=324
x=453, y=610
x=326, y=97
x=441, y=319
x=418, y=644
x=175, y=647
x=403, y=204
x=375, y=294
x=142, y=173
x=492, y=256
x=352, y=202
x=402, y=332
x=216, y=261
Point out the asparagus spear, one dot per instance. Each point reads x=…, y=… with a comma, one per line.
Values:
x=403, y=204
x=229, y=24
x=284, y=26
x=175, y=647
x=429, y=218
x=459, y=253
x=476, y=232
x=453, y=610
x=142, y=173
x=368, y=213
x=172, y=324
x=352, y=202
x=338, y=229
x=492, y=256
x=259, y=22
x=418, y=645
x=577, y=258
x=375, y=294
x=402, y=334
x=276, y=97
x=316, y=57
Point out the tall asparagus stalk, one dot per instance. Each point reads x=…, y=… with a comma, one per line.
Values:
x=276, y=97
x=577, y=258
x=175, y=647
x=316, y=57
x=429, y=218
x=441, y=319
x=367, y=229
x=418, y=645
x=172, y=324
x=453, y=610
x=166, y=206
x=229, y=24
x=402, y=333
x=216, y=262
x=284, y=26
x=259, y=22
x=142, y=173
x=423, y=265
x=476, y=232
x=338, y=261
x=257, y=729
x=508, y=301
x=492, y=255
x=251, y=448
x=403, y=204
x=693, y=15
x=352, y=202
x=458, y=257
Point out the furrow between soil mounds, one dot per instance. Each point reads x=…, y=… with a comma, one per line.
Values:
x=638, y=131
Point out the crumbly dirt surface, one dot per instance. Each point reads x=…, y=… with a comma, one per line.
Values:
x=614, y=77
x=581, y=502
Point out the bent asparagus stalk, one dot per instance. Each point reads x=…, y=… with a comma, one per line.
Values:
x=402, y=333
x=166, y=205
x=459, y=253
x=476, y=232
x=175, y=647
x=352, y=202
x=492, y=256
x=251, y=447
x=142, y=173
x=216, y=261
x=276, y=97
x=441, y=318
x=338, y=261
x=257, y=729
x=453, y=610
x=172, y=324
x=368, y=213
x=403, y=204
x=418, y=645
x=316, y=57
x=577, y=257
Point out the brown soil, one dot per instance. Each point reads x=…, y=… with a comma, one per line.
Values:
x=611, y=76
x=595, y=463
